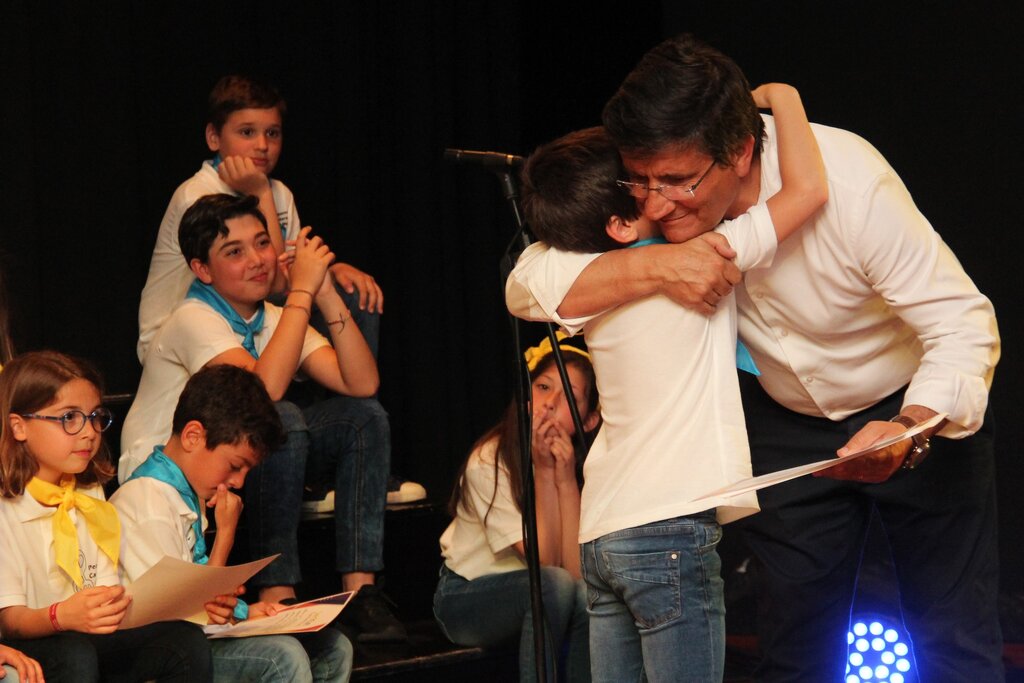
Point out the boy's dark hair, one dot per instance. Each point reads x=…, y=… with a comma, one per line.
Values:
x=233, y=406
x=684, y=93
x=236, y=92
x=206, y=220
x=569, y=191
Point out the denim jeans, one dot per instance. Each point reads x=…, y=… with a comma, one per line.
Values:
x=656, y=603
x=495, y=609
x=167, y=651
x=324, y=656
x=341, y=439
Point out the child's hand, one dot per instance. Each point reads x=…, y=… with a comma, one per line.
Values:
x=350, y=278
x=763, y=94
x=312, y=258
x=242, y=176
x=563, y=455
x=541, y=443
x=259, y=610
x=227, y=507
x=94, y=610
x=221, y=609
x=284, y=264
x=28, y=669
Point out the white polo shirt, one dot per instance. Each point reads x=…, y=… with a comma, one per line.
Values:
x=29, y=574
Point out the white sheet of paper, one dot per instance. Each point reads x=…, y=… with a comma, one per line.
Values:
x=772, y=478
x=303, y=618
x=175, y=589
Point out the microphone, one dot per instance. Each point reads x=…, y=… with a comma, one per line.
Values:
x=495, y=161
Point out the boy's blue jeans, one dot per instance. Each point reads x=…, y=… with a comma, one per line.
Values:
x=343, y=440
x=656, y=602
x=324, y=657
x=495, y=609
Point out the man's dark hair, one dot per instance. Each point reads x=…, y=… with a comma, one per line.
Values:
x=684, y=93
x=569, y=191
x=207, y=219
x=236, y=92
x=233, y=406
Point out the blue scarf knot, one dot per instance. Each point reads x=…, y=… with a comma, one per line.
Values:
x=247, y=330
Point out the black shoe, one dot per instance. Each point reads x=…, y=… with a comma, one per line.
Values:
x=370, y=615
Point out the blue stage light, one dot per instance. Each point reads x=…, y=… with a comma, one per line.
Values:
x=879, y=651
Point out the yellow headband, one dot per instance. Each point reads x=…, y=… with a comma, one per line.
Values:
x=535, y=354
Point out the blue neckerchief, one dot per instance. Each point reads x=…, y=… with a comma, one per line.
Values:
x=158, y=466
x=207, y=294
x=744, y=361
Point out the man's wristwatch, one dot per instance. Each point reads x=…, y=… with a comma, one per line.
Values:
x=922, y=445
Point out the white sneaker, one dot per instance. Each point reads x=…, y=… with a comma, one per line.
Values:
x=319, y=506
x=402, y=491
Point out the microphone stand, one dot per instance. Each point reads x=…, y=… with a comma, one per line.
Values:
x=503, y=165
x=523, y=390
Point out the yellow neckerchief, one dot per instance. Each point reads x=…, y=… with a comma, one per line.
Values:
x=100, y=518
x=535, y=354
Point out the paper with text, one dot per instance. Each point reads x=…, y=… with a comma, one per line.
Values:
x=772, y=478
x=301, y=618
x=174, y=589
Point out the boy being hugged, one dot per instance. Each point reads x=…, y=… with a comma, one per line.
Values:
x=673, y=426
x=213, y=445
x=226, y=320
x=245, y=131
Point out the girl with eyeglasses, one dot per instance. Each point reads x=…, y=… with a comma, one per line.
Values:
x=61, y=601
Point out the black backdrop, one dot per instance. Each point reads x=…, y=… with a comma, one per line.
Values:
x=103, y=106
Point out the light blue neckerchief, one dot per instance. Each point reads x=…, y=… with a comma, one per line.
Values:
x=744, y=361
x=207, y=294
x=158, y=466
x=216, y=162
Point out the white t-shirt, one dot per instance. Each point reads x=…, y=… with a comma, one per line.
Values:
x=863, y=300
x=191, y=337
x=29, y=574
x=169, y=276
x=672, y=421
x=155, y=523
x=471, y=548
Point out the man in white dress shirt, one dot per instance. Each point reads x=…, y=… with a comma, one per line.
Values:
x=864, y=325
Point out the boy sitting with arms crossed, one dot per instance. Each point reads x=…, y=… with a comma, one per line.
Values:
x=226, y=320
x=213, y=444
x=245, y=131
x=673, y=422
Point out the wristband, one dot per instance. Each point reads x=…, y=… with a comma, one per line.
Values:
x=304, y=291
x=53, y=617
x=301, y=308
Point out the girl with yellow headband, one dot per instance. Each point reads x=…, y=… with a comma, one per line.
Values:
x=482, y=598
x=61, y=601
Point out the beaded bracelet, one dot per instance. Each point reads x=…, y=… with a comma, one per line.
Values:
x=53, y=617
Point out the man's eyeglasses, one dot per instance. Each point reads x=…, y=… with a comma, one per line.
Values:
x=74, y=421
x=671, y=192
